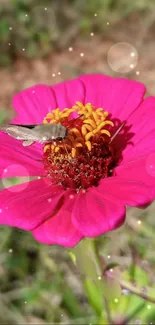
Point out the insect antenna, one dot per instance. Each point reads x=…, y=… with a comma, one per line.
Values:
x=66, y=149
x=115, y=134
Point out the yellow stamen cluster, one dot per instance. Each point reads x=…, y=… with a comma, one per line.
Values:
x=93, y=124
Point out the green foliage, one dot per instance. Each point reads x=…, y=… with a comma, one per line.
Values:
x=32, y=28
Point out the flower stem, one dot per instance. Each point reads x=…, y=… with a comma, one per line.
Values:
x=89, y=265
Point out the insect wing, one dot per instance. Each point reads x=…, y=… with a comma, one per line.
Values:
x=18, y=132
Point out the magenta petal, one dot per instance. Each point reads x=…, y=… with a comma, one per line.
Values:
x=118, y=96
x=26, y=209
x=142, y=126
x=33, y=104
x=59, y=229
x=68, y=92
x=127, y=192
x=95, y=213
x=139, y=171
x=16, y=160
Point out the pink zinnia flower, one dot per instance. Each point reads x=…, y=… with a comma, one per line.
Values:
x=86, y=182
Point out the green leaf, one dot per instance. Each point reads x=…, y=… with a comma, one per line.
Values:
x=95, y=296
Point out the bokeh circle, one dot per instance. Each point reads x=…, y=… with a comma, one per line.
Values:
x=122, y=57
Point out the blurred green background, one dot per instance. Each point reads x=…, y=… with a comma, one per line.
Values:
x=47, y=42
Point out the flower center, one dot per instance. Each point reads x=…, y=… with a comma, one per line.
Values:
x=84, y=156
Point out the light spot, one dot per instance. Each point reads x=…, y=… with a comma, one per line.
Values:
x=109, y=256
x=149, y=307
x=53, y=74
x=139, y=222
x=10, y=28
x=23, y=49
x=119, y=57
x=99, y=277
x=45, y=9
x=10, y=250
x=107, y=22
x=91, y=34
x=71, y=196
x=59, y=73
x=33, y=91
x=95, y=15
x=116, y=300
x=111, y=270
x=125, y=292
x=0, y=210
x=70, y=49
x=137, y=73
x=81, y=54
x=9, y=44
x=49, y=200
x=150, y=164
x=15, y=184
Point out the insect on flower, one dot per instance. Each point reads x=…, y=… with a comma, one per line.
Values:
x=35, y=133
x=40, y=132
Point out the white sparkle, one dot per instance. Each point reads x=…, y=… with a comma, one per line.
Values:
x=23, y=49
x=10, y=250
x=107, y=22
x=70, y=49
x=149, y=307
x=137, y=73
x=61, y=315
x=95, y=15
x=109, y=256
x=91, y=34
x=81, y=54
x=49, y=200
x=139, y=222
x=25, y=302
x=26, y=15
x=125, y=292
x=9, y=44
x=71, y=196
x=111, y=270
x=99, y=277
x=131, y=66
x=39, y=177
x=59, y=73
x=45, y=8
x=53, y=74
x=132, y=54
x=116, y=300
x=10, y=28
